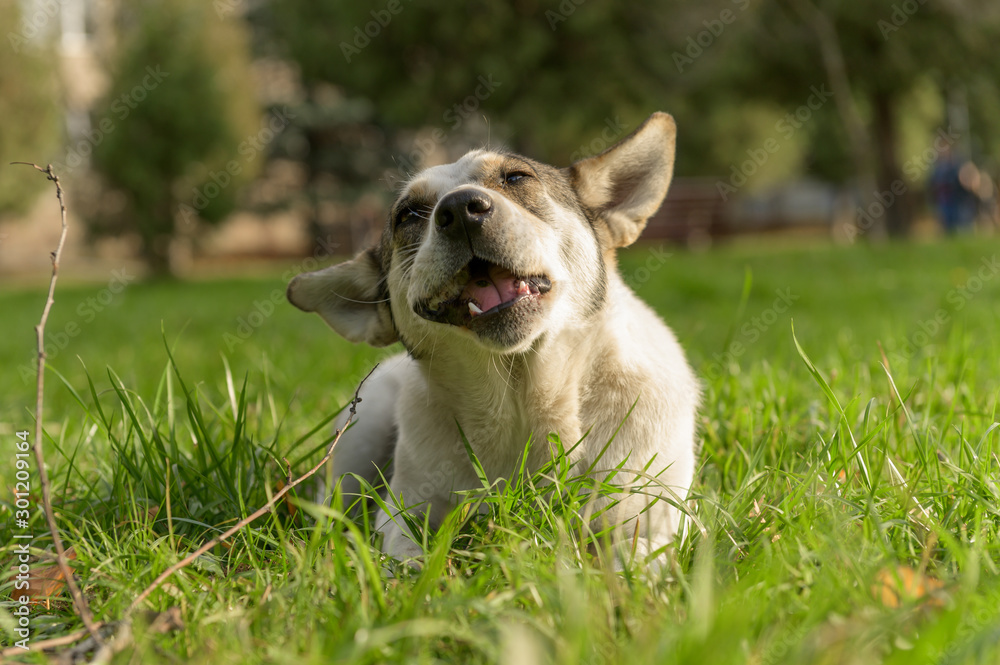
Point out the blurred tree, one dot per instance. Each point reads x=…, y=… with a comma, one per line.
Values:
x=873, y=57
x=556, y=72
x=557, y=80
x=560, y=72
x=338, y=137
x=29, y=108
x=180, y=128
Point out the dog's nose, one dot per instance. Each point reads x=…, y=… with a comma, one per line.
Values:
x=471, y=207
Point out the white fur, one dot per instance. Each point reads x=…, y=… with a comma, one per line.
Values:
x=574, y=370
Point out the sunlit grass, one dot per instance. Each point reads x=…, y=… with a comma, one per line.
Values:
x=842, y=481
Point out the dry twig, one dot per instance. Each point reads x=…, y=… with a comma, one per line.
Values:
x=257, y=513
x=82, y=609
x=124, y=637
x=54, y=643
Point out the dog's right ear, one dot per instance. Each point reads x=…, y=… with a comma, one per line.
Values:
x=349, y=299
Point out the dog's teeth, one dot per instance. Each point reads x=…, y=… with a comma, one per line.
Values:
x=473, y=309
x=522, y=288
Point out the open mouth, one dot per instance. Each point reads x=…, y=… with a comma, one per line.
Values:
x=479, y=290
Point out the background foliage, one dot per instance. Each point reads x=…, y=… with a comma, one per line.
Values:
x=180, y=149
x=30, y=113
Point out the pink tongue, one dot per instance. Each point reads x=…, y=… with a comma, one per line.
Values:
x=492, y=289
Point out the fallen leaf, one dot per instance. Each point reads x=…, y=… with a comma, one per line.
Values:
x=46, y=582
x=902, y=584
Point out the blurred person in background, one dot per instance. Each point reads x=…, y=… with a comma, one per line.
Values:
x=953, y=185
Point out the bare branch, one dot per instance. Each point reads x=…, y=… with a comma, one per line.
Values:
x=257, y=513
x=54, y=643
x=82, y=609
x=123, y=636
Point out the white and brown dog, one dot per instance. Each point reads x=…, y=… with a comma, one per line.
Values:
x=498, y=274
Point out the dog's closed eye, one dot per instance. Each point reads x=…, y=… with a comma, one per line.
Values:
x=515, y=177
x=406, y=215
x=409, y=215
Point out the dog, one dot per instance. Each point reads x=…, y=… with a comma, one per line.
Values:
x=498, y=274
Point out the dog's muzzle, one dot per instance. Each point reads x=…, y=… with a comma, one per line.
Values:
x=482, y=287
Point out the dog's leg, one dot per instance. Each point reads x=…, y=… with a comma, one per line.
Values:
x=366, y=449
x=655, y=516
x=422, y=487
x=398, y=541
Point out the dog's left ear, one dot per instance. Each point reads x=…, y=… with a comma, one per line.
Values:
x=625, y=184
x=348, y=298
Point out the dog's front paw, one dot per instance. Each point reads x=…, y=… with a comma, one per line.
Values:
x=646, y=557
x=400, y=547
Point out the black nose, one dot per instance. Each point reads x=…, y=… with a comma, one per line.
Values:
x=471, y=207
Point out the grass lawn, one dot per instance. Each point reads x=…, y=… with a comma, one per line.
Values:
x=838, y=515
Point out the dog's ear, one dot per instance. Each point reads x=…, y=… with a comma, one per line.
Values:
x=348, y=298
x=625, y=184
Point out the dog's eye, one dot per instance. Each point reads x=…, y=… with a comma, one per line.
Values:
x=514, y=177
x=407, y=215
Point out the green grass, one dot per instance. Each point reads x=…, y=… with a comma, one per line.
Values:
x=812, y=485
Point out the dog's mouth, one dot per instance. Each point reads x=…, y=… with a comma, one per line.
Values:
x=481, y=290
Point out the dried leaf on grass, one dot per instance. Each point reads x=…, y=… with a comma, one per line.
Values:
x=46, y=582
x=901, y=584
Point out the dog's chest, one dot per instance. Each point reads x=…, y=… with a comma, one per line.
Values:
x=498, y=425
